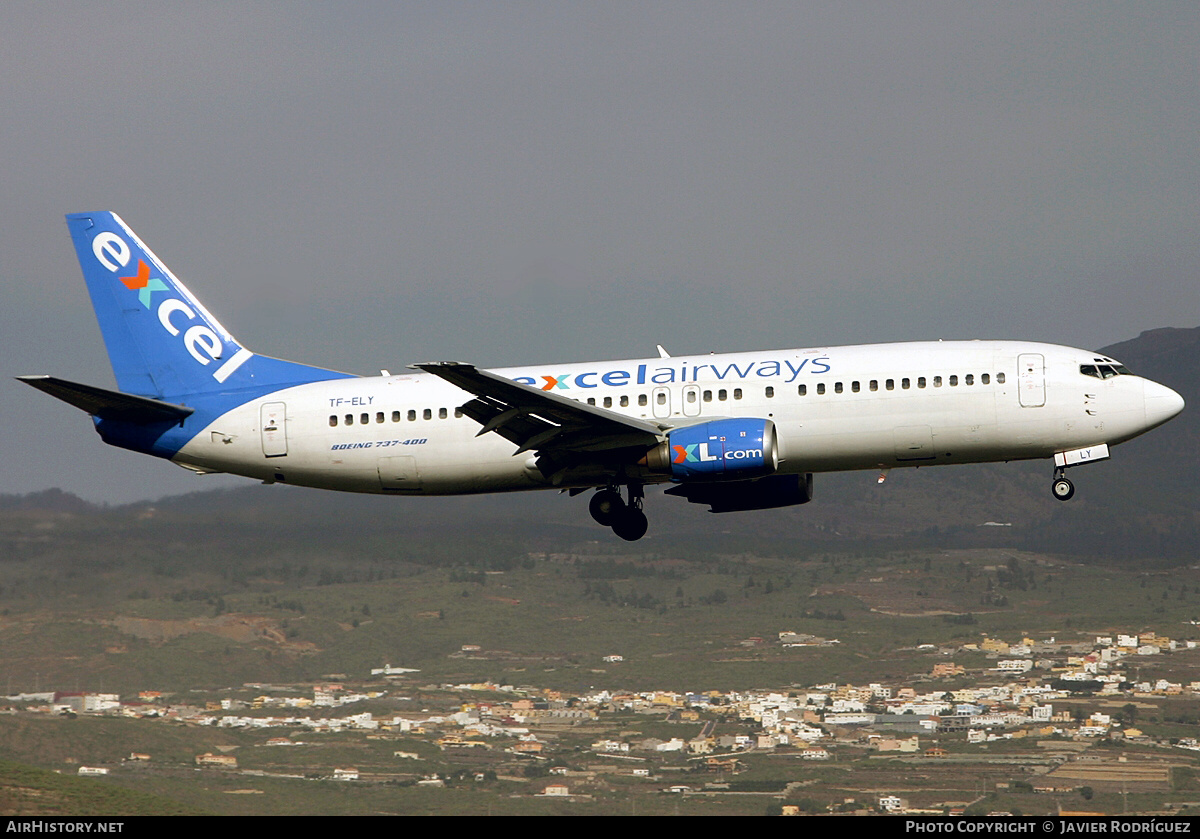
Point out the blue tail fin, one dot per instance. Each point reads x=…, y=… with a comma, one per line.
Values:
x=161, y=341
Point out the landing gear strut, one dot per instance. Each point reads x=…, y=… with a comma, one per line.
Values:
x=625, y=518
x=1062, y=487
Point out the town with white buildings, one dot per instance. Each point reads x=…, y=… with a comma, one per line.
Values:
x=1039, y=705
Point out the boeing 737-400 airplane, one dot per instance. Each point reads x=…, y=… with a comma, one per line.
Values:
x=742, y=431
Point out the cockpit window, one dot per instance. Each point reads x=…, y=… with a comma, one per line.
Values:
x=1104, y=371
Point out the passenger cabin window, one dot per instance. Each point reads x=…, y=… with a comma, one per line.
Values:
x=333, y=421
x=905, y=384
x=999, y=378
x=441, y=413
x=969, y=379
x=364, y=418
x=427, y=414
x=954, y=381
x=874, y=384
x=821, y=389
x=937, y=381
x=837, y=387
x=854, y=386
x=349, y=419
x=722, y=395
x=395, y=416
x=984, y=379
x=379, y=416
x=890, y=384
x=642, y=400
x=591, y=400
x=802, y=390
x=737, y=393
x=661, y=399
x=608, y=402
x=412, y=416
x=624, y=401
x=920, y=381
x=770, y=392
x=458, y=413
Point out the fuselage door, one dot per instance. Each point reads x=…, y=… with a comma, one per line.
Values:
x=691, y=401
x=399, y=474
x=913, y=442
x=273, y=416
x=1031, y=389
x=661, y=399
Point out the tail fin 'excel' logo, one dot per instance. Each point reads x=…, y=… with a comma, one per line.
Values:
x=174, y=315
x=143, y=284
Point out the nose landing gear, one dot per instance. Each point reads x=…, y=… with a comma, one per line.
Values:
x=1062, y=487
x=625, y=518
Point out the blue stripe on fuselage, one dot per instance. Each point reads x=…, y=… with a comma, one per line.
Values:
x=165, y=439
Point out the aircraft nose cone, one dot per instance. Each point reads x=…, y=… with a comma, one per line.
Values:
x=1162, y=404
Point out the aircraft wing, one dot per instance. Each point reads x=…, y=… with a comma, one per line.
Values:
x=535, y=420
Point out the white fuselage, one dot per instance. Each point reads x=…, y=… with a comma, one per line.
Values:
x=834, y=408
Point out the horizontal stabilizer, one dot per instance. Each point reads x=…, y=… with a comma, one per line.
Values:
x=109, y=404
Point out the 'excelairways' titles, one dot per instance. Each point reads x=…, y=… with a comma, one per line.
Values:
x=766, y=369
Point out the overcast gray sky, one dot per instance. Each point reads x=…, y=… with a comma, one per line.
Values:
x=373, y=184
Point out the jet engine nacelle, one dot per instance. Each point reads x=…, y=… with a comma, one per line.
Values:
x=762, y=494
x=721, y=450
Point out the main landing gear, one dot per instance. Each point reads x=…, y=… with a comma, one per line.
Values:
x=625, y=518
x=1062, y=487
